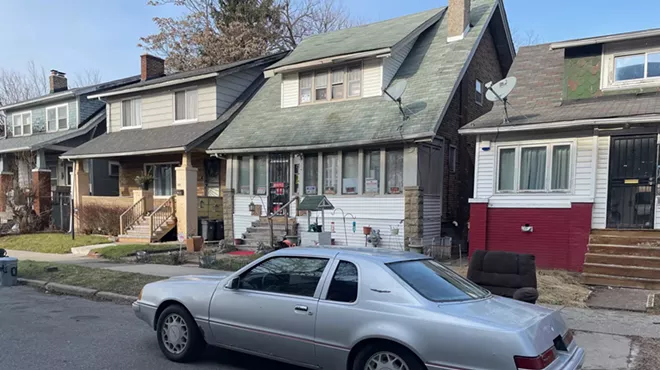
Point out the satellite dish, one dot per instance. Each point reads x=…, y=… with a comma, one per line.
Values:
x=395, y=92
x=500, y=90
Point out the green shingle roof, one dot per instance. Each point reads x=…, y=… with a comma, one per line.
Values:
x=372, y=36
x=433, y=69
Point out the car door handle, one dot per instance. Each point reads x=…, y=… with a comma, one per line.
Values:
x=301, y=308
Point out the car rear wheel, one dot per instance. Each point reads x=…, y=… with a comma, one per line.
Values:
x=179, y=337
x=386, y=356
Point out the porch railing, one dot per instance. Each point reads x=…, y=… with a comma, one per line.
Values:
x=161, y=215
x=132, y=215
x=284, y=210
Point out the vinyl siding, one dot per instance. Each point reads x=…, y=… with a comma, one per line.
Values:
x=391, y=65
x=289, y=90
x=373, y=77
x=39, y=116
x=242, y=217
x=599, y=213
x=231, y=86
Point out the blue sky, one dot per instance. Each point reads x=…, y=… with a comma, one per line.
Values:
x=74, y=35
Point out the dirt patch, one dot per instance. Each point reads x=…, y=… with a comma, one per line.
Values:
x=555, y=287
x=647, y=356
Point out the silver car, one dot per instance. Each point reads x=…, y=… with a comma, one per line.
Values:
x=355, y=309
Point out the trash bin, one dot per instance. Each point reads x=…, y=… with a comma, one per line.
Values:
x=220, y=230
x=211, y=231
x=8, y=271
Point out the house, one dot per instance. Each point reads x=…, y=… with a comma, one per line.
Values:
x=160, y=127
x=37, y=131
x=327, y=128
x=576, y=158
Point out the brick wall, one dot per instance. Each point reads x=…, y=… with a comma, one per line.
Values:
x=458, y=188
x=559, y=238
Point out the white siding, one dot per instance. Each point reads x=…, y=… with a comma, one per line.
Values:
x=289, y=90
x=392, y=64
x=157, y=109
x=206, y=103
x=242, y=216
x=231, y=86
x=115, y=117
x=373, y=77
x=432, y=217
x=599, y=212
x=379, y=212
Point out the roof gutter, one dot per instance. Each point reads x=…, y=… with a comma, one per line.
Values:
x=605, y=39
x=330, y=60
x=125, y=154
x=155, y=86
x=562, y=125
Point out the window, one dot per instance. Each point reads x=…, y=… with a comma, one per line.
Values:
x=394, y=171
x=479, y=92
x=452, y=158
x=311, y=174
x=637, y=67
x=372, y=171
x=113, y=169
x=22, y=124
x=185, y=105
x=57, y=118
x=529, y=168
x=436, y=282
x=344, y=284
x=164, y=178
x=244, y=175
x=131, y=113
x=260, y=174
x=286, y=275
x=331, y=84
x=350, y=173
x=330, y=173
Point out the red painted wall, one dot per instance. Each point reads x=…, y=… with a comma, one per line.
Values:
x=559, y=239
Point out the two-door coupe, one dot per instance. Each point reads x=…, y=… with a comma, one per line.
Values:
x=355, y=309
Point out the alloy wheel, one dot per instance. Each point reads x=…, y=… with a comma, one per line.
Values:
x=175, y=333
x=385, y=361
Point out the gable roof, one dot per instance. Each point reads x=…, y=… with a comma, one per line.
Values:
x=433, y=69
x=373, y=36
x=73, y=92
x=607, y=38
x=200, y=73
x=537, y=98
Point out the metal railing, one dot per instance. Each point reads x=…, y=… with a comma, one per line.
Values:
x=132, y=215
x=161, y=215
x=283, y=211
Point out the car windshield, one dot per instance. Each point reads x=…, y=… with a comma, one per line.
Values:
x=436, y=282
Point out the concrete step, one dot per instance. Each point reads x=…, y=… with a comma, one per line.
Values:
x=265, y=229
x=264, y=236
x=611, y=259
x=652, y=239
x=620, y=281
x=625, y=271
x=624, y=250
x=136, y=239
x=276, y=220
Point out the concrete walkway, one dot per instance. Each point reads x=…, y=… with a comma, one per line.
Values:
x=147, y=269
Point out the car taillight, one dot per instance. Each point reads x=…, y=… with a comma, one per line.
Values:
x=568, y=337
x=535, y=363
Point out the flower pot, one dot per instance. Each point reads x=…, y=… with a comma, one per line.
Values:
x=366, y=230
x=238, y=241
x=145, y=186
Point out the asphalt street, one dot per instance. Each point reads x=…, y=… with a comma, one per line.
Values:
x=42, y=331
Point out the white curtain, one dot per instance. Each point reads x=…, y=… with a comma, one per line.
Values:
x=507, y=168
x=560, y=167
x=532, y=169
x=191, y=104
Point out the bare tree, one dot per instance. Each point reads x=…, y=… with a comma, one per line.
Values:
x=16, y=86
x=527, y=38
x=87, y=78
x=304, y=18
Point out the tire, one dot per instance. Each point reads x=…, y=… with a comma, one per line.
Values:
x=367, y=353
x=183, y=341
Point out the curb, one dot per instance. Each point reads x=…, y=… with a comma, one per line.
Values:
x=77, y=291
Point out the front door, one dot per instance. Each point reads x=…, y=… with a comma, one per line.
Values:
x=630, y=202
x=278, y=177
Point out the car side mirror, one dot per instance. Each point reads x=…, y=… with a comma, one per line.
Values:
x=233, y=284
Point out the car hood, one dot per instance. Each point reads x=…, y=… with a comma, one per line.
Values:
x=211, y=277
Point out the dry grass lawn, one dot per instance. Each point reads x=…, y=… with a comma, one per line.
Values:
x=49, y=242
x=555, y=287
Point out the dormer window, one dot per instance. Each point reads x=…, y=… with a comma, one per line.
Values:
x=57, y=118
x=637, y=66
x=22, y=124
x=337, y=83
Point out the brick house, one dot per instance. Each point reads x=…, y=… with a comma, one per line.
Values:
x=572, y=175
x=326, y=126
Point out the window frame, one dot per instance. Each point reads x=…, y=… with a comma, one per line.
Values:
x=113, y=163
x=121, y=113
x=646, y=67
x=185, y=90
x=153, y=164
x=57, y=117
x=254, y=175
x=13, y=123
x=250, y=175
x=331, y=275
x=608, y=67
x=549, y=146
x=328, y=71
x=320, y=285
x=479, y=95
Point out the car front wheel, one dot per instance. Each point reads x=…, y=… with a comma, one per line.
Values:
x=179, y=337
x=386, y=356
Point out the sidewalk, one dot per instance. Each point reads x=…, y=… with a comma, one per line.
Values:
x=146, y=269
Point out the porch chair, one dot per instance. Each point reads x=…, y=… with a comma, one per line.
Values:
x=506, y=274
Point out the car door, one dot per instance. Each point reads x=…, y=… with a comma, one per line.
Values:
x=272, y=311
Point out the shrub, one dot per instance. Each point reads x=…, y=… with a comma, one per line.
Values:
x=100, y=219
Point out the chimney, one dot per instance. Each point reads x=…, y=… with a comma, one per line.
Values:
x=151, y=67
x=458, y=15
x=57, y=81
